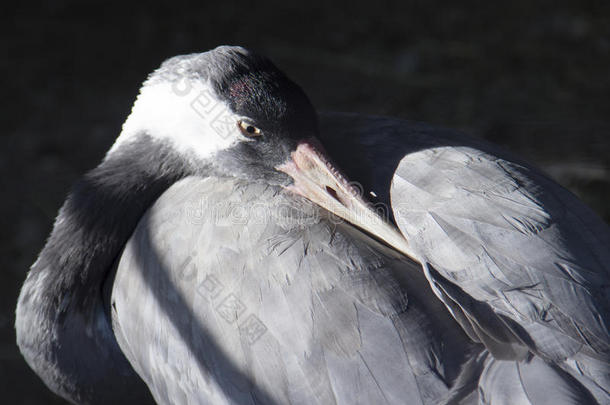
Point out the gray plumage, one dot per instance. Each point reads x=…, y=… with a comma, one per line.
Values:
x=519, y=261
x=185, y=264
x=460, y=200
x=342, y=319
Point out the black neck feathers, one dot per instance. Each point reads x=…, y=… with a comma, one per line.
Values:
x=62, y=329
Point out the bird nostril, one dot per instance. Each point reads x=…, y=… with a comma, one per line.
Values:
x=333, y=194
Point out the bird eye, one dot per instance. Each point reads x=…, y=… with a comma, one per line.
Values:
x=248, y=129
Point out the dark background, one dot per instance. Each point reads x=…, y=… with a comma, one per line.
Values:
x=532, y=76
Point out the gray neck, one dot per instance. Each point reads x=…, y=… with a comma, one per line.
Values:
x=62, y=328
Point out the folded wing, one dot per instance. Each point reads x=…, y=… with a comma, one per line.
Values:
x=519, y=261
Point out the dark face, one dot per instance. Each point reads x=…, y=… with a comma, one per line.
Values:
x=275, y=114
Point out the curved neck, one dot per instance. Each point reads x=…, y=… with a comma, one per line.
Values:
x=62, y=329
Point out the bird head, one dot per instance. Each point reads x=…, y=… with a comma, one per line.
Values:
x=232, y=110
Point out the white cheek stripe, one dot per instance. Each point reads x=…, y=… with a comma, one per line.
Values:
x=194, y=121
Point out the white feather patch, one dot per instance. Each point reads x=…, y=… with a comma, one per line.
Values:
x=190, y=117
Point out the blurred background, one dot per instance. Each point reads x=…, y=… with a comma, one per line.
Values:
x=532, y=76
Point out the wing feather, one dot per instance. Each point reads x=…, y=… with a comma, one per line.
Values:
x=508, y=238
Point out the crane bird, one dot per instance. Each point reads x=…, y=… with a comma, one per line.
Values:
x=218, y=255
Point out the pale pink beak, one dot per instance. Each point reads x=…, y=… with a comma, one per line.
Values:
x=318, y=180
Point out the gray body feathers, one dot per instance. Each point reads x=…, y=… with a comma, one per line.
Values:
x=260, y=297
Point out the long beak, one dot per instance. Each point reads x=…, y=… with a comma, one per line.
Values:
x=316, y=179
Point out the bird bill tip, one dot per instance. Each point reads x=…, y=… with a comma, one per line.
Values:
x=317, y=179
